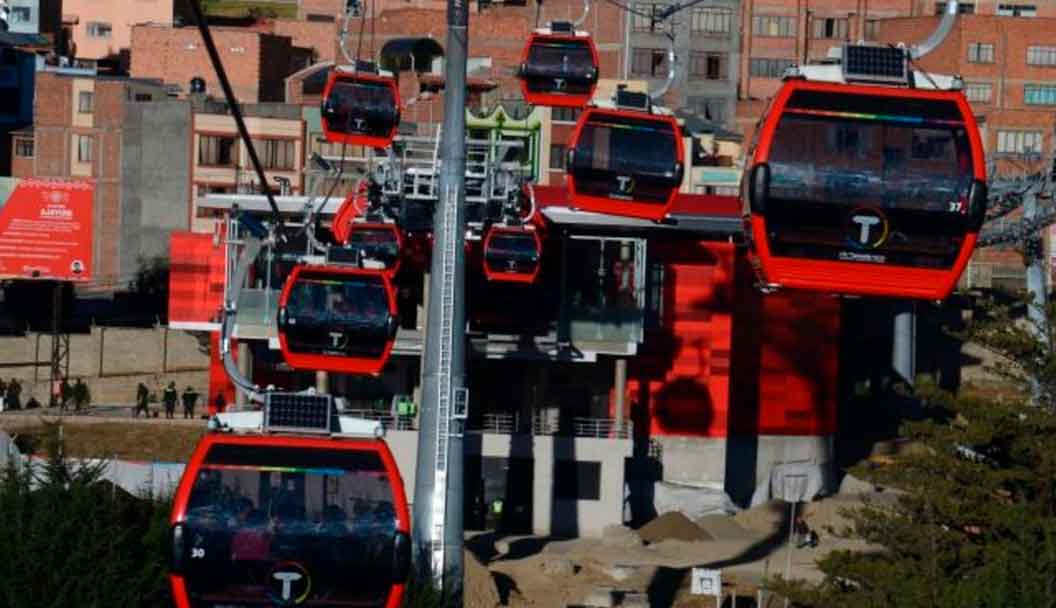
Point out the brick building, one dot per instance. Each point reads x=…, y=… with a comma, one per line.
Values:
x=256, y=62
x=1009, y=69
x=90, y=126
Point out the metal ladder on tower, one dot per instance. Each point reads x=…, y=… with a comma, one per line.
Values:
x=444, y=413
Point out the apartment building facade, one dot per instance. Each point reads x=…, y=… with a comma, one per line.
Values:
x=707, y=43
x=220, y=162
x=101, y=30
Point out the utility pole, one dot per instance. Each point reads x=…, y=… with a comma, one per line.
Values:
x=1032, y=256
x=438, y=484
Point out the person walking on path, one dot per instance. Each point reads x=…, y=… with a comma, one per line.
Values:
x=190, y=399
x=142, y=399
x=169, y=397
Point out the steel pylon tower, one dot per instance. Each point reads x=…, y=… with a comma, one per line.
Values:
x=437, y=519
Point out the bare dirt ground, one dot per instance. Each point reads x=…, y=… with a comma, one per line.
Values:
x=621, y=569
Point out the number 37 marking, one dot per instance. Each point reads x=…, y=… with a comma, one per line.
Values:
x=956, y=206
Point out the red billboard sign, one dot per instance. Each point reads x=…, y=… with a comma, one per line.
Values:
x=46, y=229
x=196, y=281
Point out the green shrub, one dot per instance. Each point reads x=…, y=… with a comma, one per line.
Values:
x=71, y=539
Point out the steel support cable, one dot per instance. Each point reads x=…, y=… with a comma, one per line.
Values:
x=236, y=111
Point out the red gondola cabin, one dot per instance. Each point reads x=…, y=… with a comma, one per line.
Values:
x=865, y=189
x=277, y=519
x=559, y=67
x=338, y=319
x=512, y=254
x=626, y=162
x=360, y=108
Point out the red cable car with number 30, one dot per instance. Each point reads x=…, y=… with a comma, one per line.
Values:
x=864, y=182
x=290, y=506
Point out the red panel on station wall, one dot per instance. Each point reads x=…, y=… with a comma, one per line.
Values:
x=679, y=384
x=785, y=357
x=196, y=281
x=729, y=360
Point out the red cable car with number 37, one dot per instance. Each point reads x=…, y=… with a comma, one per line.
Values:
x=868, y=178
x=290, y=506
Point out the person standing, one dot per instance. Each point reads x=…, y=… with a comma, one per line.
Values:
x=219, y=404
x=190, y=399
x=142, y=399
x=81, y=396
x=169, y=398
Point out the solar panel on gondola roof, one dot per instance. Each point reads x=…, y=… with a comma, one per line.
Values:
x=875, y=63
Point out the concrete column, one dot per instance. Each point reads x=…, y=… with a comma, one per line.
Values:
x=245, y=366
x=621, y=390
x=322, y=382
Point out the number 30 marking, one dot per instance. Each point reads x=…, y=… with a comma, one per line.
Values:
x=197, y=553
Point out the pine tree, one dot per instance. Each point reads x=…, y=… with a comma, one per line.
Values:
x=71, y=539
x=973, y=518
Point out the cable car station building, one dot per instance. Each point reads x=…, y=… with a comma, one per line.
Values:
x=641, y=365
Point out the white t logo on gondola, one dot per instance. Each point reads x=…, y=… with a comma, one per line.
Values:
x=287, y=579
x=865, y=223
x=626, y=183
x=559, y=84
x=361, y=125
x=335, y=338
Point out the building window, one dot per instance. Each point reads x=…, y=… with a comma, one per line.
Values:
x=21, y=14
x=642, y=21
x=577, y=480
x=85, y=102
x=216, y=151
x=982, y=53
x=963, y=8
x=649, y=62
x=1039, y=95
x=143, y=97
x=277, y=153
x=565, y=114
x=1019, y=142
x=872, y=29
x=978, y=92
x=557, y=156
x=98, y=29
x=834, y=28
x=709, y=66
x=354, y=8
x=714, y=21
x=1017, y=10
x=709, y=108
x=320, y=18
x=84, y=149
x=1041, y=55
x=773, y=26
x=770, y=68
x=24, y=148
